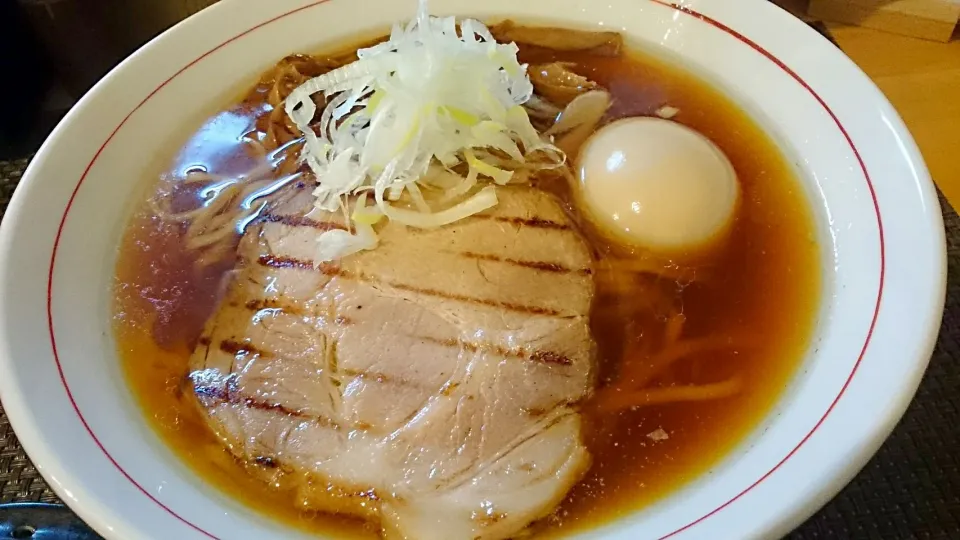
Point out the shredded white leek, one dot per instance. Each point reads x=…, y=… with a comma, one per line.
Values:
x=338, y=243
x=426, y=98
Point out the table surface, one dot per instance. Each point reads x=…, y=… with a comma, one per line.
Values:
x=911, y=488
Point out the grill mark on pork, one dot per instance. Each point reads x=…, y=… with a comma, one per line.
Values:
x=533, y=310
x=301, y=221
x=290, y=262
x=535, y=222
x=237, y=348
x=227, y=392
x=549, y=357
x=544, y=357
x=536, y=265
x=254, y=403
x=332, y=270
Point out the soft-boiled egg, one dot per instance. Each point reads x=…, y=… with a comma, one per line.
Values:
x=657, y=184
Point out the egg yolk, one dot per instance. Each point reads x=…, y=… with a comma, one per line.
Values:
x=658, y=184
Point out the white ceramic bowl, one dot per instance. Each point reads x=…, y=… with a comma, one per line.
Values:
x=879, y=226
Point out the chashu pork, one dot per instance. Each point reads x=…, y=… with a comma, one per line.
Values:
x=429, y=385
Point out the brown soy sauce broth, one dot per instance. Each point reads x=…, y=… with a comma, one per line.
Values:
x=762, y=289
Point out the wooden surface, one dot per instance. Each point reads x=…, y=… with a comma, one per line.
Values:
x=928, y=19
x=922, y=80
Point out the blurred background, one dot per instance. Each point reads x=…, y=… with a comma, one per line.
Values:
x=53, y=51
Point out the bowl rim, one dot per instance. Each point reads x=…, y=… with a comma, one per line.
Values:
x=14, y=215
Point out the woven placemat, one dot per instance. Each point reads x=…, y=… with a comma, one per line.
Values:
x=19, y=479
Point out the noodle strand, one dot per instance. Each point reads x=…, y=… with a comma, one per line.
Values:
x=612, y=402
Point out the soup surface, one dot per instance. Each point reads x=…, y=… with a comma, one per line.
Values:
x=746, y=314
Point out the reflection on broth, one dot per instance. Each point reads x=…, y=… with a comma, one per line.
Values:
x=518, y=365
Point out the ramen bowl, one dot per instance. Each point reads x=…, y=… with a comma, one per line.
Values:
x=878, y=227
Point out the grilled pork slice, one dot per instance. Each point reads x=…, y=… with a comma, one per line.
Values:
x=429, y=384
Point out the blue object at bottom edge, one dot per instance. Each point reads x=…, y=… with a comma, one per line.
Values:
x=37, y=521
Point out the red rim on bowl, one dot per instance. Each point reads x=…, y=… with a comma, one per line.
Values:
x=682, y=9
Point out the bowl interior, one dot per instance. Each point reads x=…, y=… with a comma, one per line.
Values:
x=878, y=225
